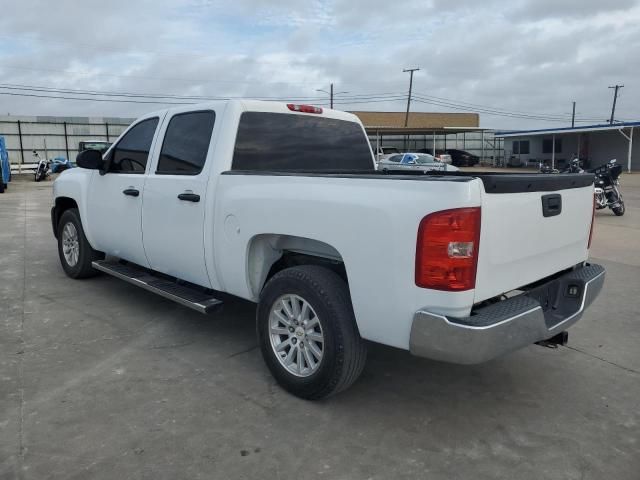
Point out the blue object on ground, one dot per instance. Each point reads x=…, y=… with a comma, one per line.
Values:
x=60, y=164
x=4, y=162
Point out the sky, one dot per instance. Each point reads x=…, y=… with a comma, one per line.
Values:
x=519, y=63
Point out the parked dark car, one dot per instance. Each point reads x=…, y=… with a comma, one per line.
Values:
x=461, y=158
x=99, y=145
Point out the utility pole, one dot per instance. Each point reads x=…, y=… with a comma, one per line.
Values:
x=573, y=116
x=615, y=97
x=410, y=70
x=330, y=93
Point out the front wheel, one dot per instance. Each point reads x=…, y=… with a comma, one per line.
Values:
x=618, y=210
x=76, y=254
x=307, y=332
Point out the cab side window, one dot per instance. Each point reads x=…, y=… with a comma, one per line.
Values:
x=131, y=153
x=186, y=143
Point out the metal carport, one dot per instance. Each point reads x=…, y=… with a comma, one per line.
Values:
x=428, y=134
x=594, y=144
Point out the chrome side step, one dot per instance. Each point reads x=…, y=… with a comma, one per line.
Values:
x=182, y=294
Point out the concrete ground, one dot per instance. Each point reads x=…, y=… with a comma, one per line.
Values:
x=101, y=380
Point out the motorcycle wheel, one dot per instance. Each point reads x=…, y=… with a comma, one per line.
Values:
x=619, y=210
x=36, y=176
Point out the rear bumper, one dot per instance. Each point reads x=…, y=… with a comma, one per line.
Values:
x=505, y=326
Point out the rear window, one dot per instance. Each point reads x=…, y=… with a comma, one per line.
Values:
x=280, y=141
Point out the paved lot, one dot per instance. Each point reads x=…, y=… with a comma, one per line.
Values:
x=102, y=380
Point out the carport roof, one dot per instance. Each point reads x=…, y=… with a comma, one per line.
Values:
x=387, y=130
x=552, y=131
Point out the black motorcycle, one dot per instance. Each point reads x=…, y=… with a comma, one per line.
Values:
x=607, y=187
x=572, y=167
x=43, y=168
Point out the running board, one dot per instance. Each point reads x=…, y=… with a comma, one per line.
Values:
x=182, y=294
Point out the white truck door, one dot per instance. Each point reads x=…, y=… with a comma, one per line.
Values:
x=175, y=198
x=114, y=201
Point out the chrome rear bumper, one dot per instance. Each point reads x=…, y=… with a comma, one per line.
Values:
x=505, y=326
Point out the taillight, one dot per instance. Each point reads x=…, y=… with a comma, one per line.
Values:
x=593, y=217
x=303, y=108
x=447, y=249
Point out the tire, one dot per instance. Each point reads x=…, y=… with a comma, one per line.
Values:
x=81, y=268
x=619, y=210
x=343, y=351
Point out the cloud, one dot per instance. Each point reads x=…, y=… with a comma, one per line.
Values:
x=522, y=55
x=566, y=9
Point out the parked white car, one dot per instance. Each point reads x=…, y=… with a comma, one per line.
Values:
x=386, y=152
x=415, y=161
x=280, y=204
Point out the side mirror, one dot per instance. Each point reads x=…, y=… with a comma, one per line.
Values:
x=90, y=159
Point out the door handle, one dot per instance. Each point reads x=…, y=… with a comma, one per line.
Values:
x=551, y=205
x=189, y=197
x=132, y=192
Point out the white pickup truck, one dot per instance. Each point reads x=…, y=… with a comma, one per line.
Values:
x=281, y=204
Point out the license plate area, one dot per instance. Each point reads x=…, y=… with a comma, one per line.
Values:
x=559, y=299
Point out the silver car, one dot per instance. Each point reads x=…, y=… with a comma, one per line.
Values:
x=414, y=161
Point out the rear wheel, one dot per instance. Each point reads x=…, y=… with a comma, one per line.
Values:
x=76, y=254
x=307, y=332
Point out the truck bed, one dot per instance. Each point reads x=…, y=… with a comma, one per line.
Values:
x=494, y=182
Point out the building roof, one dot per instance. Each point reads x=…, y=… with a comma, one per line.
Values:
x=418, y=119
x=552, y=131
x=420, y=123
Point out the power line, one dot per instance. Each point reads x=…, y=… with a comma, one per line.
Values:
x=476, y=106
x=22, y=87
x=498, y=112
x=21, y=90
x=93, y=98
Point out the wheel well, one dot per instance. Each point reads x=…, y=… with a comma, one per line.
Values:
x=293, y=259
x=269, y=254
x=62, y=205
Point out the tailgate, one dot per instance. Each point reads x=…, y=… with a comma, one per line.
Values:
x=530, y=234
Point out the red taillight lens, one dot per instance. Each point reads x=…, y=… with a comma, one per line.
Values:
x=447, y=250
x=303, y=108
x=593, y=218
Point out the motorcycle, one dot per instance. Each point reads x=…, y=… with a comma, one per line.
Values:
x=607, y=187
x=572, y=167
x=42, y=170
